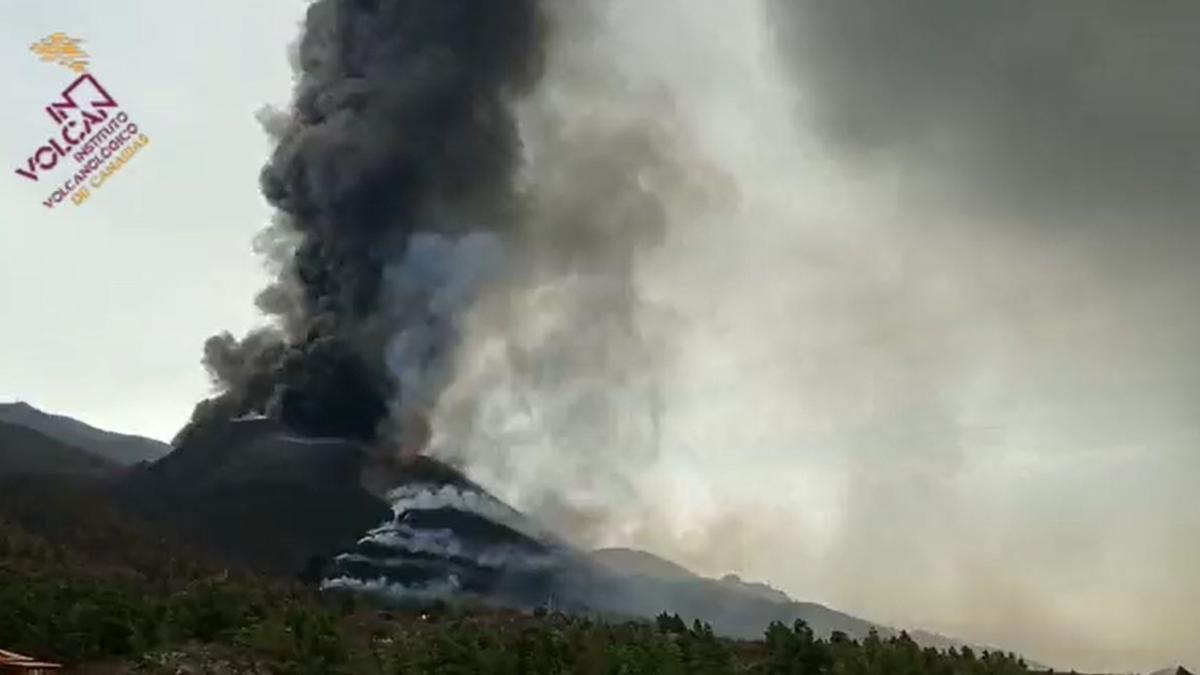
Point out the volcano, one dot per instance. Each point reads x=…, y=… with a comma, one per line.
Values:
x=347, y=514
x=449, y=537
x=366, y=519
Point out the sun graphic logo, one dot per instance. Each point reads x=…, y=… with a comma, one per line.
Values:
x=62, y=49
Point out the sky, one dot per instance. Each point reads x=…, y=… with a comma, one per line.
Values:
x=924, y=355
x=107, y=303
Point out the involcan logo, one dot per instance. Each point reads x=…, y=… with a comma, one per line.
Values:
x=94, y=137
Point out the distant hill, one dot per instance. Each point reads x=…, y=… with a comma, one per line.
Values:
x=755, y=588
x=632, y=562
x=121, y=448
x=254, y=496
x=648, y=584
x=736, y=607
x=26, y=452
x=1176, y=670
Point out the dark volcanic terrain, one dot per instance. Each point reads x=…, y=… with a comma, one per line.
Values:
x=352, y=517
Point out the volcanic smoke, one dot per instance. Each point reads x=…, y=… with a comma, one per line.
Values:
x=464, y=191
x=394, y=180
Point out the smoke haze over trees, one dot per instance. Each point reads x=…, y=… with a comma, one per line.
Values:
x=888, y=304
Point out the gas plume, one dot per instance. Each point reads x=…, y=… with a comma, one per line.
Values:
x=396, y=161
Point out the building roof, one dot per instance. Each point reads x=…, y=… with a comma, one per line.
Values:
x=14, y=660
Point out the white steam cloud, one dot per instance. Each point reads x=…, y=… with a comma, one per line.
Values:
x=731, y=341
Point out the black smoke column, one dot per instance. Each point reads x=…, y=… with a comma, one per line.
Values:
x=401, y=123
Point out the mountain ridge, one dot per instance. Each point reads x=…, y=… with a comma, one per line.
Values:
x=125, y=449
x=26, y=451
x=253, y=493
x=821, y=618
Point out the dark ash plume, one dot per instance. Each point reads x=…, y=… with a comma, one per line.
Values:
x=1069, y=111
x=401, y=124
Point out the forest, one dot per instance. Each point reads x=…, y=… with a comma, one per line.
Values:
x=142, y=605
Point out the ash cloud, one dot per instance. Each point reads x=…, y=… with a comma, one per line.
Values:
x=556, y=400
x=401, y=125
x=1071, y=111
x=933, y=366
x=983, y=235
x=921, y=350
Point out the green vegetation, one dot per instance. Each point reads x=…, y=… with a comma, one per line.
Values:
x=157, y=617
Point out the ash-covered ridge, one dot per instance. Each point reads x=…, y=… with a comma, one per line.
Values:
x=351, y=515
x=447, y=537
x=407, y=529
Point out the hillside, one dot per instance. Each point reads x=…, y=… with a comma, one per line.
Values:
x=120, y=448
x=56, y=606
x=25, y=451
x=258, y=497
x=249, y=495
x=735, y=607
x=645, y=584
x=635, y=563
x=287, y=505
x=1174, y=670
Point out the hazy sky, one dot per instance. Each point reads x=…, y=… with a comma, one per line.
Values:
x=106, y=304
x=930, y=361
